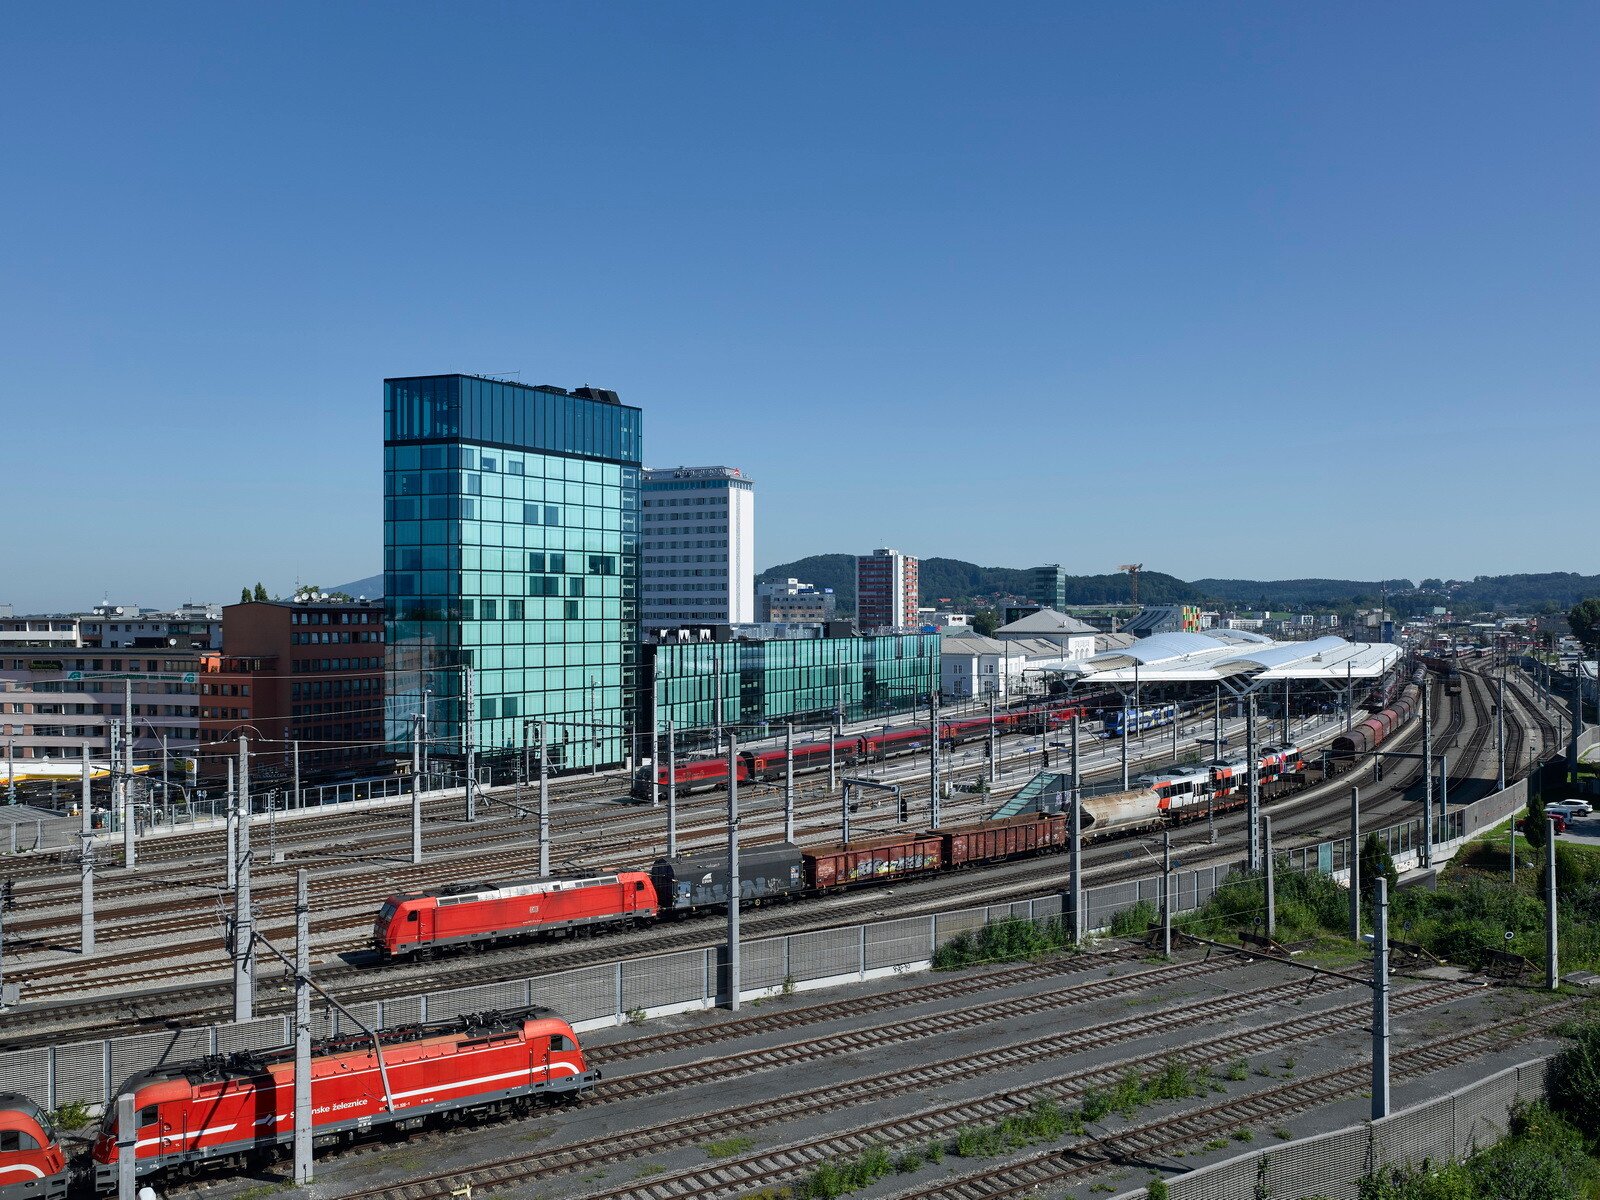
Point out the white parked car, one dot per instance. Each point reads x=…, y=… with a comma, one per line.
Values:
x=1569, y=810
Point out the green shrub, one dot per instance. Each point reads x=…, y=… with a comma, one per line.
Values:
x=1009, y=940
x=1135, y=921
x=72, y=1115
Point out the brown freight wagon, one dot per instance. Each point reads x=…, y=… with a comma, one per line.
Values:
x=830, y=867
x=1012, y=837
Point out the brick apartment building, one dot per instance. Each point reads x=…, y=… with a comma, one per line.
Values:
x=307, y=671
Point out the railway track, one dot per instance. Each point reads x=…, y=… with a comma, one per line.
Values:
x=211, y=1000
x=785, y=1163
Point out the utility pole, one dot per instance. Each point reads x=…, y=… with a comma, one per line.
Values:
x=1287, y=737
x=11, y=769
x=788, y=781
x=165, y=792
x=994, y=756
x=1355, y=864
x=544, y=804
x=233, y=832
x=1166, y=893
x=1552, y=943
x=1216, y=730
x=1427, y=777
x=122, y=777
x=468, y=724
x=1075, y=850
x=933, y=751
x=1444, y=797
x=86, y=862
x=844, y=814
x=296, y=745
x=416, y=788
x=243, y=921
x=833, y=768
x=1577, y=725
x=733, y=872
x=1500, y=729
x=1349, y=698
x=303, y=1133
x=1380, y=1001
x=1254, y=778
x=672, y=790
x=1272, y=889
x=655, y=748
x=127, y=1148
x=1125, y=745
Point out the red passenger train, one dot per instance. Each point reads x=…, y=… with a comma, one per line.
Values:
x=228, y=1109
x=770, y=765
x=32, y=1165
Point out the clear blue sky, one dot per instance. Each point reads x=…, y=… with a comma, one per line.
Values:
x=1258, y=290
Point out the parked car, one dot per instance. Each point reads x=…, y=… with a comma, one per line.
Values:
x=1561, y=822
x=1567, y=810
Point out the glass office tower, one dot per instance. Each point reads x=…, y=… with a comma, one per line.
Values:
x=511, y=546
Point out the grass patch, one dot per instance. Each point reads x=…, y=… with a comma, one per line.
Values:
x=1042, y=1121
x=728, y=1147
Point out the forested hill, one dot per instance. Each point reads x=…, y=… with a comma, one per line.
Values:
x=955, y=581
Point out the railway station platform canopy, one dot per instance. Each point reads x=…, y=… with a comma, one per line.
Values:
x=1239, y=661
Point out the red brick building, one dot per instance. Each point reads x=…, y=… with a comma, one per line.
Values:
x=306, y=671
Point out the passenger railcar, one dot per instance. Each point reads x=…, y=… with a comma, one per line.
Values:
x=227, y=1109
x=465, y=913
x=32, y=1164
x=1138, y=719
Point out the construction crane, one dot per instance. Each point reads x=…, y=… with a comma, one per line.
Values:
x=1133, y=570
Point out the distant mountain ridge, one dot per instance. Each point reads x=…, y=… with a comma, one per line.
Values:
x=957, y=581
x=952, y=579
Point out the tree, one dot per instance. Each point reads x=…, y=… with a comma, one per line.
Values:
x=1533, y=826
x=1376, y=861
x=985, y=621
x=261, y=592
x=244, y=595
x=1585, y=621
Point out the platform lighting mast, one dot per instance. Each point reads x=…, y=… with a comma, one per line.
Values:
x=1132, y=570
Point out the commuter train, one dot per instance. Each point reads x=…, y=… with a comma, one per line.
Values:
x=770, y=764
x=1139, y=719
x=423, y=923
x=228, y=1109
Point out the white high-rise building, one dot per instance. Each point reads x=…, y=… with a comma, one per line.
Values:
x=697, y=547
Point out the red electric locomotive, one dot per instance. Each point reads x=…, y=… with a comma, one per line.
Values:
x=32, y=1166
x=226, y=1109
x=466, y=913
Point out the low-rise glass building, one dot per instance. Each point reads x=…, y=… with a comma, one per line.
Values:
x=709, y=680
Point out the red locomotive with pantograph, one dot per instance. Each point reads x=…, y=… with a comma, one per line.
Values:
x=230, y=1109
x=479, y=913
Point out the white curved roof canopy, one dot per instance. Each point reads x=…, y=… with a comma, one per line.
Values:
x=1210, y=657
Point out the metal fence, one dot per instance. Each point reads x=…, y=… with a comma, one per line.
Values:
x=1446, y=1129
x=592, y=997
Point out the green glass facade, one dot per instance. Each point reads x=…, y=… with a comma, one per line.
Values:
x=511, y=545
x=701, y=686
